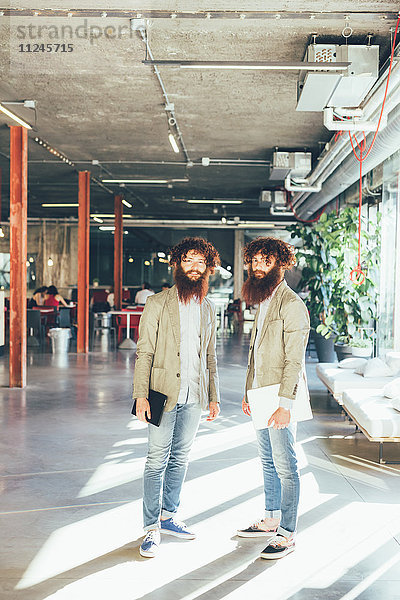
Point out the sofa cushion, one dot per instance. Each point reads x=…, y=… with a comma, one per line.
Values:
x=376, y=367
x=396, y=403
x=392, y=389
x=338, y=380
x=392, y=359
x=373, y=412
x=352, y=363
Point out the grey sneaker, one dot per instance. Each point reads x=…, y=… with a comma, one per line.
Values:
x=257, y=529
x=150, y=544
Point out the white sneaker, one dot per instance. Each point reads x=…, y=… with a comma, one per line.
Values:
x=279, y=547
x=261, y=528
x=150, y=544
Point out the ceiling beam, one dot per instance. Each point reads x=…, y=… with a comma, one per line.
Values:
x=371, y=16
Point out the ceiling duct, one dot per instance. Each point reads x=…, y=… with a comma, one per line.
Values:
x=387, y=142
x=298, y=164
x=337, y=151
x=279, y=204
x=318, y=90
x=265, y=199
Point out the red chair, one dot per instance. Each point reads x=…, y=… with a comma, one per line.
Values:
x=121, y=322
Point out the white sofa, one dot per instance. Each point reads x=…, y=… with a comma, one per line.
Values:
x=339, y=380
x=374, y=415
x=363, y=400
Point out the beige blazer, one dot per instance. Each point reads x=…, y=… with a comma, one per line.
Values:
x=283, y=341
x=158, y=362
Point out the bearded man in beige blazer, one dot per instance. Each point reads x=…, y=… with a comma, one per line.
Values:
x=176, y=355
x=276, y=357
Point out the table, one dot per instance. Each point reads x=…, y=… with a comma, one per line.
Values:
x=127, y=343
x=220, y=306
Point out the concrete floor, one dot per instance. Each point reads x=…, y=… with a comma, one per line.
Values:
x=70, y=496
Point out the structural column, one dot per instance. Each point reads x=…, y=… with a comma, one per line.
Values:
x=83, y=261
x=18, y=253
x=238, y=263
x=118, y=251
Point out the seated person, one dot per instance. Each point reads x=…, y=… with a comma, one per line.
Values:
x=143, y=294
x=53, y=298
x=38, y=297
x=110, y=298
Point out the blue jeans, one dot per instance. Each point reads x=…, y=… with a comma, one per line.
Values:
x=167, y=461
x=281, y=477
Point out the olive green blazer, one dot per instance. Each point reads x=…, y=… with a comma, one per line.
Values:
x=158, y=362
x=283, y=341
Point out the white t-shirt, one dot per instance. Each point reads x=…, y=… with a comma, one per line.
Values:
x=189, y=317
x=142, y=296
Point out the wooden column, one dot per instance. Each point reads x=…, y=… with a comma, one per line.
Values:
x=83, y=261
x=118, y=251
x=238, y=267
x=18, y=253
x=1, y=175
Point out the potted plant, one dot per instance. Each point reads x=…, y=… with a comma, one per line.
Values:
x=362, y=348
x=340, y=307
x=317, y=283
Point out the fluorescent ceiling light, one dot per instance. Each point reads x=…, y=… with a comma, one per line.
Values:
x=173, y=143
x=97, y=219
x=59, y=205
x=145, y=181
x=107, y=228
x=214, y=201
x=106, y=215
x=252, y=65
x=18, y=120
x=126, y=203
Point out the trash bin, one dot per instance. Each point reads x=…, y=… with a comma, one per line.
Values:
x=105, y=320
x=60, y=339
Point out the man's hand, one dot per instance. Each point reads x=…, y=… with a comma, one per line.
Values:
x=280, y=418
x=214, y=411
x=143, y=409
x=246, y=407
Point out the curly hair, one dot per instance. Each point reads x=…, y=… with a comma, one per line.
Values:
x=282, y=251
x=194, y=243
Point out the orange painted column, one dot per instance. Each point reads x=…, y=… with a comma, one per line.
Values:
x=118, y=251
x=18, y=253
x=83, y=261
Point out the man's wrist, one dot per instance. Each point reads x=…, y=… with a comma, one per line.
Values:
x=285, y=403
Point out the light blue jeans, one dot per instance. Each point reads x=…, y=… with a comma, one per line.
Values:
x=281, y=476
x=167, y=461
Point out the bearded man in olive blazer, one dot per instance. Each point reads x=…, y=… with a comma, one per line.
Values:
x=176, y=355
x=276, y=356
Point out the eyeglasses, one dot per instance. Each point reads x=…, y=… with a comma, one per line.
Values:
x=262, y=261
x=194, y=261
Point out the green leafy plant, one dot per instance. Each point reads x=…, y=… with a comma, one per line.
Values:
x=360, y=343
x=338, y=308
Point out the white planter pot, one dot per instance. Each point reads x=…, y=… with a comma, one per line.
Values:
x=362, y=352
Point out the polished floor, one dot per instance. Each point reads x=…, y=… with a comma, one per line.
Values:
x=70, y=496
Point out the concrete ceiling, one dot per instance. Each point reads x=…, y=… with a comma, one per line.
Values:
x=99, y=102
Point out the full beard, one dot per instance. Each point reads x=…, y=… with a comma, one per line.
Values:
x=191, y=288
x=256, y=290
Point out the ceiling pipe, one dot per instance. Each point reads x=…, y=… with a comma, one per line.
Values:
x=387, y=142
x=301, y=185
x=330, y=160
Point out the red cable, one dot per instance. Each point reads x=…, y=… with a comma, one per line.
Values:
x=302, y=220
x=357, y=276
x=384, y=97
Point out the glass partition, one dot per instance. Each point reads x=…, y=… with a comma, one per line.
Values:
x=389, y=319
